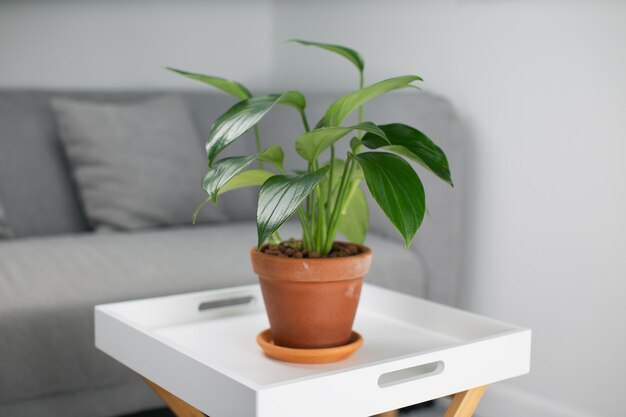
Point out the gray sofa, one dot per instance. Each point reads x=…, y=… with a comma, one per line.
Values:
x=53, y=269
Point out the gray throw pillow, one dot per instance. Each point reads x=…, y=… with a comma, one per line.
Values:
x=137, y=165
x=5, y=232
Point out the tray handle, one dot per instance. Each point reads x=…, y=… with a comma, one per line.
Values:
x=410, y=374
x=226, y=302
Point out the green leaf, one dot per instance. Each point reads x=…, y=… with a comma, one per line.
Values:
x=231, y=87
x=279, y=197
x=311, y=144
x=355, y=144
x=274, y=155
x=397, y=189
x=341, y=108
x=243, y=116
x=354, y=218
x=248, y=178
x=223, y=171
x=348, y=53
x=294, y=99
x=410, y=142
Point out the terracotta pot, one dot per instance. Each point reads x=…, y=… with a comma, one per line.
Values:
x=311, y=303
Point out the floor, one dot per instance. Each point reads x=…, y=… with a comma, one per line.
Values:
x=421, y=410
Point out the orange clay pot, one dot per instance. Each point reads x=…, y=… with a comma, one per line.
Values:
x=311, y=303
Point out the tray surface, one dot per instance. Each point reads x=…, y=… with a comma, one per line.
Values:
x=229, y=344
x=225, y=339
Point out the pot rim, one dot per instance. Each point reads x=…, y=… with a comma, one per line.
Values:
x=311, y=269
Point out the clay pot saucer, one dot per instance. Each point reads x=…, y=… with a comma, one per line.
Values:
x=308, y=356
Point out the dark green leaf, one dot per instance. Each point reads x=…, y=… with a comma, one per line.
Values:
x=243, y=116
x=341, y=108
x=354, y=218
x=224, y=171
x=410, y=142
x=279, y=197
x=311, y=144
x=231, y=87
x=348, y=53
x=397, y=189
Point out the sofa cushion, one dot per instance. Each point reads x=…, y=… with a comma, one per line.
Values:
x=49, y=286
x=38, y=195
x=45, y=201
x=136, y=165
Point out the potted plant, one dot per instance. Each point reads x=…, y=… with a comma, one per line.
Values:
x=311, y=286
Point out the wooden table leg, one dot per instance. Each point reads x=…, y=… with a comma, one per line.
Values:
x=178, y=406
x=393, y=413
x=464, y=403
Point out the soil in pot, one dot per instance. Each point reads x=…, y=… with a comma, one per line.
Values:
x=293, y=249
x=311, y=302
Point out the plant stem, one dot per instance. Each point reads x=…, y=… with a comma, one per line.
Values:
x=334, y=218
x=354, y=185
x=305, y=122
x=306, y=238
x=309, y=199
x=330, y=178
x=257, y=139
x=361, y=83
x=320, y=236
x=307, y=213
x=275, y=238
x=314, y=222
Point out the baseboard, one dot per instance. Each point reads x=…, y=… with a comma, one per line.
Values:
x=505, y=401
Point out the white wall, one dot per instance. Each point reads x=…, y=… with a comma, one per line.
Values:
x=542, y=85
x=125, y=44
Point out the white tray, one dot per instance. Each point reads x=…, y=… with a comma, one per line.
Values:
x=201, y=347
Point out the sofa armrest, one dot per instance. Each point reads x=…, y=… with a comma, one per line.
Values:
x=436, y=244
x=440, y=239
